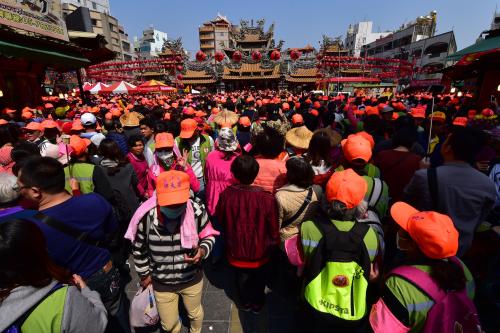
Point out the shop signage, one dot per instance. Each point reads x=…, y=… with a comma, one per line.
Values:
x=33, y=15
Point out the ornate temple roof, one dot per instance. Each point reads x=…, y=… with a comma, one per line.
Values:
x=251, y=71
x=302, y=75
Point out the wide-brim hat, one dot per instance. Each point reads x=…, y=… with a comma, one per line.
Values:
x=131, y=119
x=225, y=117
x=299, y=137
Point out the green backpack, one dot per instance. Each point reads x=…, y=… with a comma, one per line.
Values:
x=336, y=278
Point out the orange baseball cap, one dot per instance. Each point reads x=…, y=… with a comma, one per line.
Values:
x=297, y=105
x=297, y=119
x=285, y=106
x=189, y=111
x=434, y=233
x=78, y=145
x=356, y=147
x=27, y=115
x=200, y=114
x=188, y=126
x=368, y=137
x=370, y=110
x=460, y=121
x=3, y=122
x=314, y=112
x=77, y=125
x=7, y=110
x=49, y=105
x=164, y=140
x=347, y=187
x=245, y=122
x=167, y=116
x=172, y=188
x=471, y=114
x=108, y=116
x=438, y=116
x=316, y=105
x=33, y=126
x=49, y=124
x=214, y=111
x=418, y=113
x=116, y=113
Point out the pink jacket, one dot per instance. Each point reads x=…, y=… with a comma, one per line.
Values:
x=218, y=177
x=272, y=174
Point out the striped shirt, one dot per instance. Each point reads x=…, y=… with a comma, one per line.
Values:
x=164, y=259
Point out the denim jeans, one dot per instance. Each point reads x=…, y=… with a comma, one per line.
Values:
x=113, y=298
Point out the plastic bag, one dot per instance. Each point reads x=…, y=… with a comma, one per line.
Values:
x=143, y=311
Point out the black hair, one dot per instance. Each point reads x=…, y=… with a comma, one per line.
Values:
x=147, y=122
x=245, y=169
x=24, y=259
x=110, y=125
x=299, y=172
x=45, y=173
x=270, y=143
x=405, y=136
x=133, y=140
x=109, y=149
x=9, y=134
x=319, y=148
x=448, y=275
x=466, y=143
x=24, y=149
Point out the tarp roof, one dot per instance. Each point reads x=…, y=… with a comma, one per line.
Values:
x=481, y=46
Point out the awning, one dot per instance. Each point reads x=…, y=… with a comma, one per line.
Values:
x=43, y=55
x=481, y=46
x=351, y=79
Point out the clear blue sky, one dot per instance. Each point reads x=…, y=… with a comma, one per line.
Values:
x=299, y=22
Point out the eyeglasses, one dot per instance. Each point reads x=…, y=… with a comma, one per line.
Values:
x=18, y=188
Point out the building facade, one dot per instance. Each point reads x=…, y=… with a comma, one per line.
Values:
x=151, y=43
x=361, y=34
x=416, y=43
x=101, y=6
x=215, y=35
x=112, y=30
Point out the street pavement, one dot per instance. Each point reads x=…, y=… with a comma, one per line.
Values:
x=221, y=313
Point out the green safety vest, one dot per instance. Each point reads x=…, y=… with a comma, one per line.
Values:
x=370, y=169
x=47, y=316
x=205, y=149
x=83, y=172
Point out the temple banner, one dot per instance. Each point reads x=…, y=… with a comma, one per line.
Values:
x=35, y=16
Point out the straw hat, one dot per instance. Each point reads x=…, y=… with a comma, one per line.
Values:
x=226, y=116
x=130, y=119
x=299, y=137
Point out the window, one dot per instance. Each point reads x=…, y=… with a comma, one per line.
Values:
x=94, y=22
x=94, y=5
x=111, y=27
x=221, y=34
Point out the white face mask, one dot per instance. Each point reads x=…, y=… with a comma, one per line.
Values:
x=165, y=155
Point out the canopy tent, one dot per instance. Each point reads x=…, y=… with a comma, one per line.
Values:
x=96, y=88
x=121, y=87
x=484, y=45
x=87, y=86
x=154, y=86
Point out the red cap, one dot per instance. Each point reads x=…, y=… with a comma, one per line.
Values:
x=78, y=145
x=460, y=121
x=33, y=126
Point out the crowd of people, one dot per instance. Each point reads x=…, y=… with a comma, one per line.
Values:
x=378, y=213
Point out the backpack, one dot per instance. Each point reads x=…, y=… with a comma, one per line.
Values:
x=336, y=277
x=453, y=311
x=16, y=326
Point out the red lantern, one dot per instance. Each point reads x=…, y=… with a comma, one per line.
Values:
x=319, y=75
x=201, y=56
x=181, y=86
x=179, y=77
x=180, y=68
x=219, y=56
x=275, y=55
x=295, y=54
x=237, y=56
x=178, y=59
x=319, y=56
x=256, y=55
